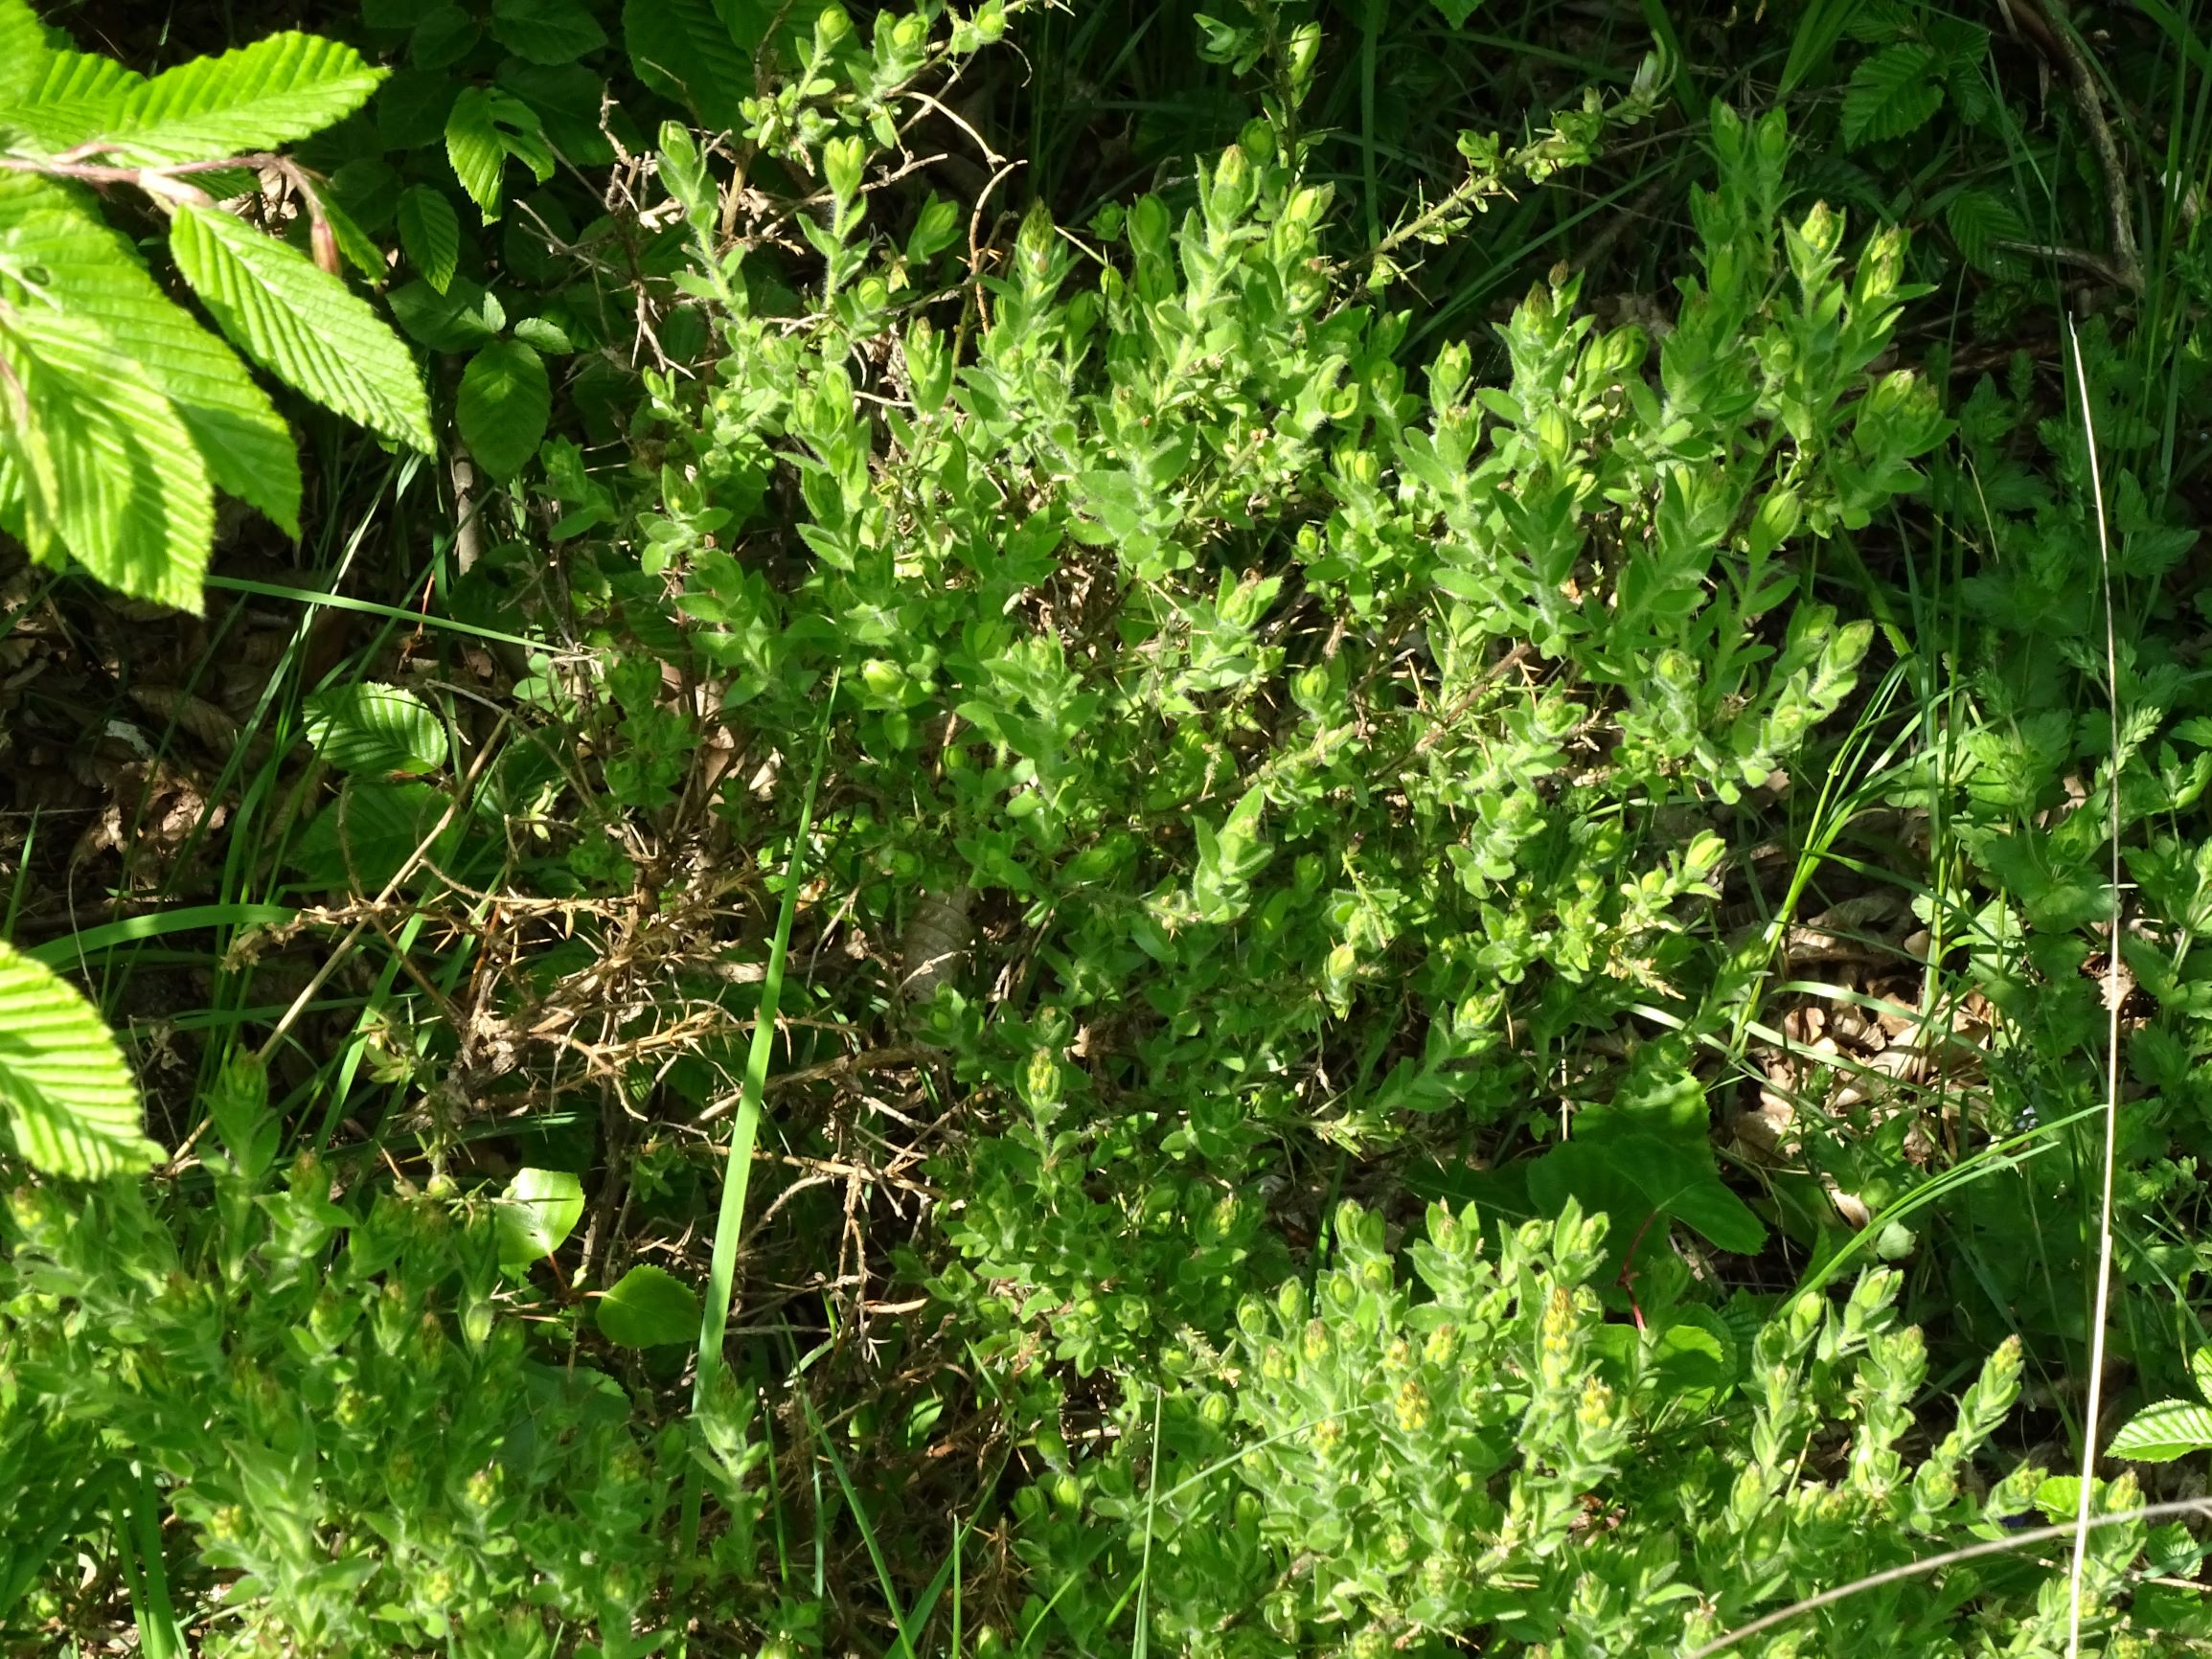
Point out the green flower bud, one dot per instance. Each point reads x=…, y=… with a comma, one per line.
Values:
x=353, y=1407
x=1412, y=1407
x=481, y=1490
x=1315, y=1344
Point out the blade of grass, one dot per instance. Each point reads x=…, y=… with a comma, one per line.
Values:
x=1370, y=33
x=159, y=1635
x=369, y=607
x=2113, y=998
x=64, y=952
x=1142, y=1643
x=721, y=1273
x=22, y=882
x=908, y=1627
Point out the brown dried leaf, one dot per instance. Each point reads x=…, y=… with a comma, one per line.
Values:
x=203, y=719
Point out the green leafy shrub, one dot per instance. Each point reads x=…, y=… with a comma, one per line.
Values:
x=1202, y=623
x=356, y=1437
x=1278, y=745
x=1367, y=1471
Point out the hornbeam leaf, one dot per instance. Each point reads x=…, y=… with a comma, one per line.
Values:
x=683, y=49
x=105, y=471
x=546, y=31
x=257, y=97
x=300, y=324
x=73, y=96
x=484, y=128
x=64, y=1088
x=1891, y=94
x=23, y=50
x=95, y=276
x=2163, y=1431
x=430, y=231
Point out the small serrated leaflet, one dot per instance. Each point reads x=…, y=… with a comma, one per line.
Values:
x=430, y=233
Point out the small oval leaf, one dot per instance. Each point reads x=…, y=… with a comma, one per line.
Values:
x=537, y=1210
x=650, y=1308
x=505, y=401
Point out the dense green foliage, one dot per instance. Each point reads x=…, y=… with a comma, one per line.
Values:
x=1006, y=710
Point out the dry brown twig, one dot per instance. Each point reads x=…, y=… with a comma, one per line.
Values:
x=2054, y=39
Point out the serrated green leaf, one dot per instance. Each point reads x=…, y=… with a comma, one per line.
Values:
x=547, y=32
x=444, y=37
x=465, y=316
x=411, y=108
x=505, y=401
x=1456, y=12
x=1979, y=221
x=363, y=838
x=75, y=94
x=546, y=335
x=106, y=471
x=23, y=50
x=300, y=324
x=355, y=245
x=537, y=1210
x=368, y=188
x=682, y=50
x=473, y=148
x=97, y=277
x=430, y=233
x=66, y=1092
x=2162, y=1432
x=484, y=128
x=258, y=97
x=567, y=97
x=366, y=728
x=2201, y=1372
x=1891, y=94
x=650, y=1308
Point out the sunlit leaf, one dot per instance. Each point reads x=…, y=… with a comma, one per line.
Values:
x=65, y=1092
x=368, y=728
x=537, y=1210
x=649, y=1308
